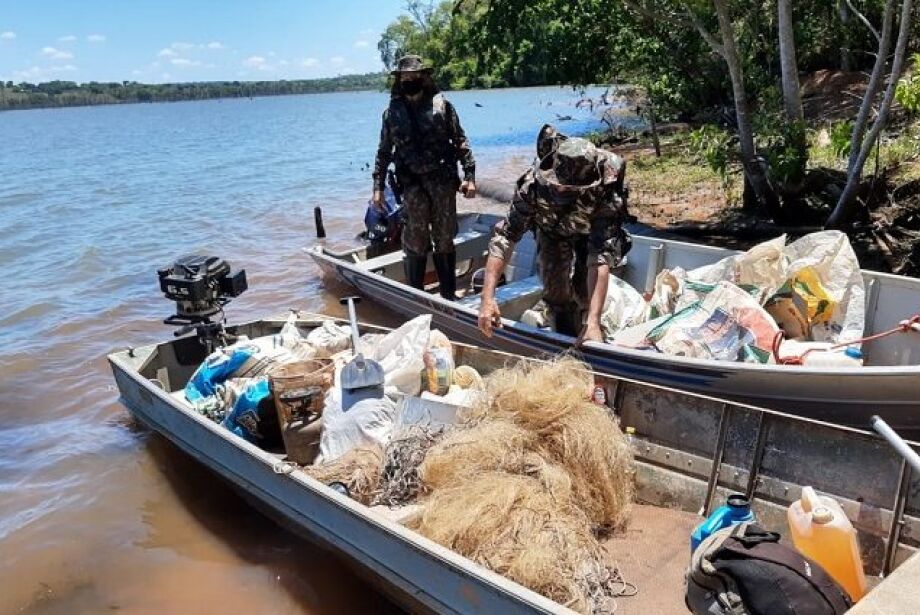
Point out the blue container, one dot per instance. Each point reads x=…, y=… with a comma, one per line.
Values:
x=736, y=510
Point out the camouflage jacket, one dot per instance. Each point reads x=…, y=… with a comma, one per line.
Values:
x=422, y=139
x=595, y=211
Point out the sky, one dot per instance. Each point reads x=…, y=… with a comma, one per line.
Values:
x=157, y=41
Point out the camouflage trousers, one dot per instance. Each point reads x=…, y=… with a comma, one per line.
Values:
x=564, y=272
x=430, y=206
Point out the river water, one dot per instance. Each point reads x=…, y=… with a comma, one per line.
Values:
x=96, y=513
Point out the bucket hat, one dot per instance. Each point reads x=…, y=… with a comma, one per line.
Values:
x=410, y=64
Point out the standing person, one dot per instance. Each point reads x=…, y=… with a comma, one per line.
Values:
x=422, y=136
x=574, y=200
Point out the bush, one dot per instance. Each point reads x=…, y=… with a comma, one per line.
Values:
x=908, y=91
x=840, y=134
x=712, y=145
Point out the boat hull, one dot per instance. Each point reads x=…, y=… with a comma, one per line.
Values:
x=419, y=574
x=847, y=397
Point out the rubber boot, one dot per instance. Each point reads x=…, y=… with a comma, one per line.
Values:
x=567, y=322
x=415, y=270
x=445, y=263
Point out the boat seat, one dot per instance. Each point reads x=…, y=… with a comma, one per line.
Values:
x=383, y=261
x=514, y=298
x=470, y=243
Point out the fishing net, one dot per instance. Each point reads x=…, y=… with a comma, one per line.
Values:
x=358, y=469
x=513, y=525
x=522, y=485
x=535, y=395
x=464, y=453
x=399, y=480
x=598, y=459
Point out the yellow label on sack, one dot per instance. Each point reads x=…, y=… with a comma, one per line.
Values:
x=807, y=285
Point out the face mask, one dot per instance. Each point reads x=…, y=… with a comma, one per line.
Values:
x=411, y=87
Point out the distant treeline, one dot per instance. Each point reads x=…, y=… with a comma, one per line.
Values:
x=71, y=94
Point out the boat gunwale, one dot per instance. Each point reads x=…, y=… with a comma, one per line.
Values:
x=608, y=349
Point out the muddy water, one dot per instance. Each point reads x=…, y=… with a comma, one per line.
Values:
x=96, y=513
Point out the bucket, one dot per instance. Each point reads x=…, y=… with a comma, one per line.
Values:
x=299, y=391
x=300, y=376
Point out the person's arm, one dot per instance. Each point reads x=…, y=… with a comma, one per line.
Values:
x=383, y=160
x=605, y=248
x=598, y=280
x=489, y=314
x=507, y=233
x=464, y=153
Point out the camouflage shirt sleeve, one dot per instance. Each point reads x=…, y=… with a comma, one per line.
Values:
x=518, y=221
x=384, y=153
x=606, y=241
x=464, y=151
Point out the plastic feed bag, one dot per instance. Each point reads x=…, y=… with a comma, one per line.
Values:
x=623, y=307
x=728, y=325
x=367, y=424
x=329, y=339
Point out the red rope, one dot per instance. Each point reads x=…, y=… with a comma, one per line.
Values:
x=903, y=327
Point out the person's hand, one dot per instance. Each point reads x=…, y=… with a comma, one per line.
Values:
x=591, y=332
x=468, y=188
x=489, y=316
x=377, y=200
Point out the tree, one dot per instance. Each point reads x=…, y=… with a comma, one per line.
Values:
x=861, y=142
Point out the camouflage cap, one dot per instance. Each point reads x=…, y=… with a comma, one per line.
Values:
x=410, y=64
x=575, y=162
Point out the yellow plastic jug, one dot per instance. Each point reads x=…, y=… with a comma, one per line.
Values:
x=821, y=531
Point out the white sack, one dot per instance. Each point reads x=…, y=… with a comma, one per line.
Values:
x=367, y=424
x=328, y=339
x=623, y=307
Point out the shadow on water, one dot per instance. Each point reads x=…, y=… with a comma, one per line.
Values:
x=300, y=566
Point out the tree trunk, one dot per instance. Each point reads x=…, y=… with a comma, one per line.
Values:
x=754, y=169
x=792, y=100
x=846, y=57
x=653, y=124
x=875, y=81
x=846, y=206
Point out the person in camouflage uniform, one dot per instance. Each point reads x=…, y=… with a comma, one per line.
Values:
x=422, y=136
x=573, y=199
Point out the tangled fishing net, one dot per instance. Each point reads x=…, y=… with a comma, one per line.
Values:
x=522, y=485
x=399, y=480
x=358, y=469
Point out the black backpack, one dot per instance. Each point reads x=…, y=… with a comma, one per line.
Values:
x=744, y=570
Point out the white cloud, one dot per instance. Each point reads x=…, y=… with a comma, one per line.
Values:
x=308, y=62
x=183, y=46
x=255, y=62
x=39, y=73
x=337, y=60
x=95, y=38
x=7, y=36
x=361, y=44
x=165, y=76
x=167, y=53
x=67, y=39
x=184, y=62
x=137, y=72
x=215, y=45
x=282, y=63
x=56, y=54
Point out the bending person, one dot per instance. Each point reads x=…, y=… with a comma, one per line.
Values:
x=573, y=200
x=422, y=136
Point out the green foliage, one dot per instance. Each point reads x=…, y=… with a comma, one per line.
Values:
x=784, y=144
x=841, y=134
x=908, y=90
x=68, y=93
x=712, y=146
